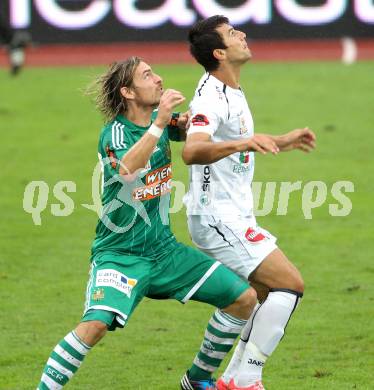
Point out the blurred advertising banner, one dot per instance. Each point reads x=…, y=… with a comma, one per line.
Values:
x=91, y=21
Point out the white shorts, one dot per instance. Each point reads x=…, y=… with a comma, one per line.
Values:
x=238, y=243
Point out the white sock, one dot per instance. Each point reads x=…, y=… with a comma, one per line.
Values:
x=269, y=323
x=236, y=358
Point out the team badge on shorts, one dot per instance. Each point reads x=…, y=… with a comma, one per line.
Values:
x=254, y=236
x=98, y=294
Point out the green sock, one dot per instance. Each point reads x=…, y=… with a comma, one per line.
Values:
x=220, y=336
x=63, y=362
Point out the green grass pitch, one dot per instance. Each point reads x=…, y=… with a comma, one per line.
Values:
x=49, y=132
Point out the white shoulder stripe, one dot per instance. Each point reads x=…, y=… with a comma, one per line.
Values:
x=122, y=141
x=118, y=139
x=117, y=136
x=118, y=130
x=114, y=135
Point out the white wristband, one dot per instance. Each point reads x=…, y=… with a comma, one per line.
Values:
x=155, y=130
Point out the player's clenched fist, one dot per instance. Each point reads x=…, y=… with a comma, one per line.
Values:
x=169, y=100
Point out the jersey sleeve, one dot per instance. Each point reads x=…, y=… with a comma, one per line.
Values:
x=113, y=145
x=206, y=116
x=172, y=128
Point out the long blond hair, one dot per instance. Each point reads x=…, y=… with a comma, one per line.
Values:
x=107, y=87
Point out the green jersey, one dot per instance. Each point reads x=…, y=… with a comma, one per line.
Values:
x=135, y=215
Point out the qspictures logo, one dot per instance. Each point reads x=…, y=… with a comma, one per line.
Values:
x=146, y=184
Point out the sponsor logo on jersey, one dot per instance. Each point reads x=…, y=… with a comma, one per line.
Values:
x=239, y=168
x=112, y=156
x=245, y=163
x=158, y=183
x=200, y=120
x=254, y=236
x=244, y=157
x=115, y=279
x=256, y=362
x=206, y=179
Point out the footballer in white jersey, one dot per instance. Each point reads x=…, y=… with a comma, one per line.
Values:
x=223, y=113
x=219, y=200
x=219, y=150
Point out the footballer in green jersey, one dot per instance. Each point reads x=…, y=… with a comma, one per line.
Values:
x=135, y=213
x=134, y=253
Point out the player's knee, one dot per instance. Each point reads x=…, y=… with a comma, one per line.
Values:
x=91, y=332
x=98, y=328
x=246, y=302
x=295, y=281
x=242, y=307
x=298, y=284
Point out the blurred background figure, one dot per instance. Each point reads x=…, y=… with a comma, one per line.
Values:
x=15, y=42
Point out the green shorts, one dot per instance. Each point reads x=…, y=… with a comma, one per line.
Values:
x=117, y=283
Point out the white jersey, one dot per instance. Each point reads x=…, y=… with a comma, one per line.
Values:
x=224, y=187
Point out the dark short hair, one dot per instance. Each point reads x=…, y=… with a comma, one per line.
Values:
x=204, y=39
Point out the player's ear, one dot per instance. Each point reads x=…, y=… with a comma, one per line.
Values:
x=127, y=93
x=219, y=54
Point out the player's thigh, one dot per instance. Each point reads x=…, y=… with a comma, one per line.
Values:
x=187, y=273
x=116, y=285
x=232, y=241
x=222, y=288
x=276, y=271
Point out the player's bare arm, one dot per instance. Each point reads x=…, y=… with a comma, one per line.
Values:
x=302, y=139
x=200, y=149
x=139, y=154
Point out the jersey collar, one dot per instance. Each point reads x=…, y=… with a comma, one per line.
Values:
x=225, y=87
x=130, y=125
